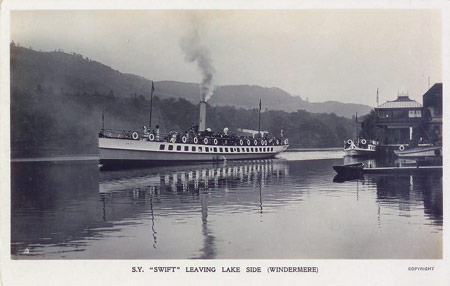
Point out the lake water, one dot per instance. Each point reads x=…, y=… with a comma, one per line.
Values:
x=287, y=207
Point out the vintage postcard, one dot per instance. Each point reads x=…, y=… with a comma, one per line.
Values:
x=228, y=143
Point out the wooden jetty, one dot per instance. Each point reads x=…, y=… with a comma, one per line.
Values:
x=402, y=170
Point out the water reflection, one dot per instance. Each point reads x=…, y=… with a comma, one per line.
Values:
x=407, y=192
x=402, y=191
x=204, y=185
x=239, y=209
x=46, y=208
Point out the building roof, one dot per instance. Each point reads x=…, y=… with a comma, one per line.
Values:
x=402, y=101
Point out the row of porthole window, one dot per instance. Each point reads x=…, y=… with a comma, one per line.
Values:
x=216, y=149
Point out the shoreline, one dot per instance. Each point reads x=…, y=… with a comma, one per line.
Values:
x=56, y=158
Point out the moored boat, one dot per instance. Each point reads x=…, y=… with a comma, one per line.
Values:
x=419, y=152
x=360, y=147
x=349, y=169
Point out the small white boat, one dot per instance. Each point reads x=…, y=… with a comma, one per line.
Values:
x=360, y=147
x=418, y=152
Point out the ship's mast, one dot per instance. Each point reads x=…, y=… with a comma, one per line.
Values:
x=151, y=103
x=259, y=119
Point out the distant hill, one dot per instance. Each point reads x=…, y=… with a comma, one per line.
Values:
x=247, y=96
x=58, y=71
x=58, y=101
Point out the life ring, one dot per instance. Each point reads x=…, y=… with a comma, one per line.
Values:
x=184, y=139
x=349, y=141
x=151, y=137
x=286, y=141
x=135, y=135
x=401, y=148
x=248, y=142
x=205, y=141
x=215, y=141
x=255, y=142
x=241, y=142
x=196, y=140
x=363, y=141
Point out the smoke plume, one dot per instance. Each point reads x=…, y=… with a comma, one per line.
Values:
x=196, y=52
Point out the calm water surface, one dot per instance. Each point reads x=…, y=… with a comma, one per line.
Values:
x=282, y=208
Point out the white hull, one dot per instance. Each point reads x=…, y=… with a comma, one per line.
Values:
x=113, y=150
x=420, y=152
x=359, y=152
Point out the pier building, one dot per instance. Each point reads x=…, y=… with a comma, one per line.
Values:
x=409, y=123
x=400, y=119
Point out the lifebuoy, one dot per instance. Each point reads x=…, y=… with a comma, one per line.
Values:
x=195, y=140
x=349, y=141
x=363, y=141
x=135, y=135
x=151, y=137
x=241, y=142
x=205, y=141
x=286, y=142
x=248, y=142
x=215, y=141
x=401, y=148
x=255, y=142
x=184, y=139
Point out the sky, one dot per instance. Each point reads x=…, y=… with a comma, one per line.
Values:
x=320, y=55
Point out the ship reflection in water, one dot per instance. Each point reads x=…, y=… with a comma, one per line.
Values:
x=242, y=209
x=184, y=191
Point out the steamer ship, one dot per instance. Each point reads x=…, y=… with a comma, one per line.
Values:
x=121, y=147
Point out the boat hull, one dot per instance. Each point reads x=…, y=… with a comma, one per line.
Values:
x=355, y=152
x=138, y=152
x=421, y=152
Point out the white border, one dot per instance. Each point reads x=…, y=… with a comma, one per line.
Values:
x=118, y=272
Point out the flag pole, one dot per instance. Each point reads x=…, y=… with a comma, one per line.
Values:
x=151, y=103
x=259, y=119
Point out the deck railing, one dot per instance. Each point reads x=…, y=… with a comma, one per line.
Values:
x=187, y=138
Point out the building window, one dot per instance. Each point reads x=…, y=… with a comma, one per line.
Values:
x=178, y=148
x=193, y=148
x=186, y=148
x=221, y=149
x=226, y=149
x=415, y=113
x=200, y=149
x=231, y=150
x=170, y=147
x=384, y=114
x=252, y=150
x=162, y=146
x=248, y=150
x=215, y=149
x=206, y=149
